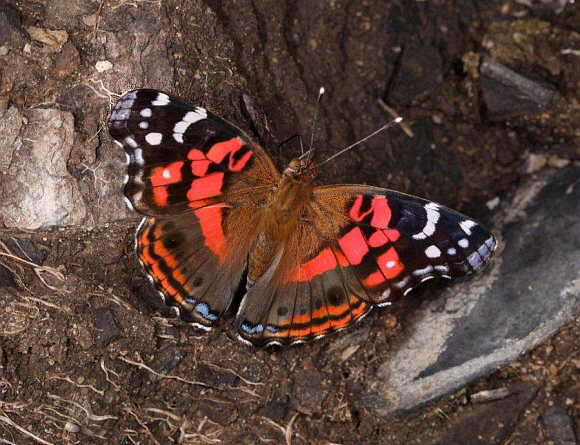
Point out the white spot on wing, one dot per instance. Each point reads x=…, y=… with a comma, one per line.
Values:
x=190, y=117
x=424, y=271
x=146, y=112
x=391, y=264
x=432, y=252
x=451, y=251
x=466, y=226
x=138, y=156
x=154, y=138
x=432, y=210
x=143, y=125
x=463, y=242
x=402, y=283
x=161, y=100
x=131, y=142
x=475, y=260
x=166, y=174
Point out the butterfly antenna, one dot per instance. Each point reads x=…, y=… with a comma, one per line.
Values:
x=384, y=127
x=310, y=152
x=320, y=93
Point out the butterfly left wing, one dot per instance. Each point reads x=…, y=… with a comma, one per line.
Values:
x=201, y=183
x=357, y=247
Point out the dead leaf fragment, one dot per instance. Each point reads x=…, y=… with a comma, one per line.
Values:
x=53, y=38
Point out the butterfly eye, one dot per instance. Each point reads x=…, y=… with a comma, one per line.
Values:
x=295, y=165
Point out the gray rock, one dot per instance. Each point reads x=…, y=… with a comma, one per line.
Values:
x=559, y=426
x=36, y=189
x=507, y=93
x=530, y=289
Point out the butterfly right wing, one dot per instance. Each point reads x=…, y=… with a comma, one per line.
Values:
x=357, y=247
x=201, y=182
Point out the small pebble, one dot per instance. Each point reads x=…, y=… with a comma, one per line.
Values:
x=103, y=65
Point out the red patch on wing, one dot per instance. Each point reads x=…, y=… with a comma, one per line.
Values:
x=390, y=264
x=374, y=279
x=321, y=263
x=161, y=177
x=354, y=246
x=380, y=210
x=219, y=151
x=210, y=221
x=378, y=238
x=206, y=187
x=169, y=174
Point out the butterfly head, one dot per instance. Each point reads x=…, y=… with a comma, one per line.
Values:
x=302, y=168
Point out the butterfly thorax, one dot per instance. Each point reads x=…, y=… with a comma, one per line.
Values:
x=287, y=204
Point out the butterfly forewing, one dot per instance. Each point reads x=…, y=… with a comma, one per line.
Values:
x=183, y=157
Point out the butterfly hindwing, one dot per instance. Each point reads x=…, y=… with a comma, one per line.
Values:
x=194, y=262
x=357, y=247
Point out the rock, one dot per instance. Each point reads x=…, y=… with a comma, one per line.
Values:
x=54, y=39
x=37, y=191
x=529, y=290
x=103, y=65
x=219, y=411
x=507, y=93
x=67, y=61
x=167, y=360
x=490, y=423
x=535, y=162
x=559, y=426
x=274, y=410
x=420, y=72
x=10, y=126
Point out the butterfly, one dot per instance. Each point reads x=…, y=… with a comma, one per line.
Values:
x=317, y=259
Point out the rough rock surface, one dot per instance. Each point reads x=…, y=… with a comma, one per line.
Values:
x=529, y=291
x=37, y=190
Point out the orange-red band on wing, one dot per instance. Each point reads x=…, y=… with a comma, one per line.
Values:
x=210, y=221
x=206, y=187
x=321, y=263
x=161, y=177
x=390, y=264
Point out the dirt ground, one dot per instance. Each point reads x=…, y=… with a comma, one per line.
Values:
x=88, y=353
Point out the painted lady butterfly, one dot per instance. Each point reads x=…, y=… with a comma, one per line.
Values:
x=317, y=258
